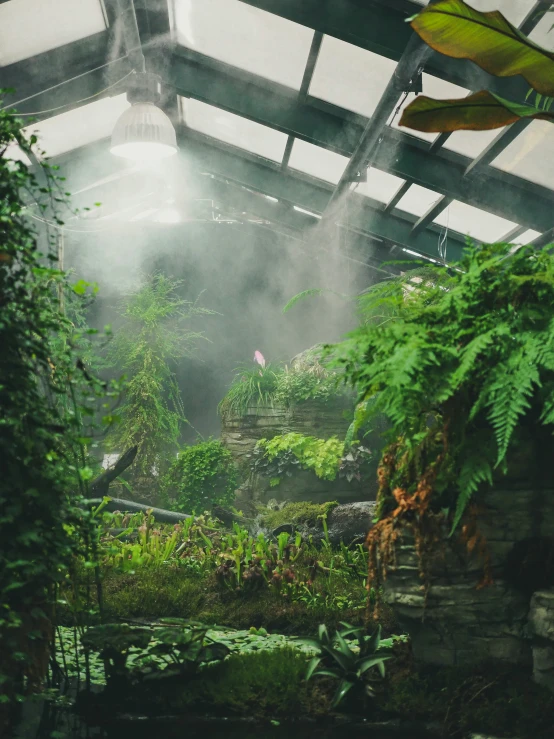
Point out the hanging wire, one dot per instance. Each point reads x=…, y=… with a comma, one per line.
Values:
x=65, y=105
x=443, y=238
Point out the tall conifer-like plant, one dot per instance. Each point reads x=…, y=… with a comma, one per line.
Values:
x=154, y=334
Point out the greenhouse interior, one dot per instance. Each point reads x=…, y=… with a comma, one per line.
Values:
x=276, y=369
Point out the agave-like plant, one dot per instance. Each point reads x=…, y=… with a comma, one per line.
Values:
x=341, y=662
x=454, y=28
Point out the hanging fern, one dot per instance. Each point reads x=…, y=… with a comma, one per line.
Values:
x=458, y=360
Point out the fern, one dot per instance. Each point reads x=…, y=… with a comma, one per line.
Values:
x=310, y=293
x=452, y=355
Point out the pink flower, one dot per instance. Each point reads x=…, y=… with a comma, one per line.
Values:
x=259, y=358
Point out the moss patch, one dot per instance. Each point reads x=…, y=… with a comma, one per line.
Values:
x=167, y=591
x=302, y=513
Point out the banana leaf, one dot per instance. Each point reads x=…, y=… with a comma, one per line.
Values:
x=453, y=28
x=478, y=112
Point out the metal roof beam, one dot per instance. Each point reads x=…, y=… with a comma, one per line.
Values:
x=497, y=145
x=410, y=65
x=435, y=210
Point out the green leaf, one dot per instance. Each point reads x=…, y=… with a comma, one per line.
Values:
x=478, y=112
x=453, y=28
x=342, y=690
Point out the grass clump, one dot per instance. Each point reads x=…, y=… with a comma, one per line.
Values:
x=256, y=684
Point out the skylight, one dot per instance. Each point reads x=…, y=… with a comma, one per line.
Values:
x=350, y=77
x=526, y=237
x=514, y=10
x=530, y=154
x=234, y=129
x=418, y=200
x=79, y=126
x=474, y=222
x=29, y=27
x=380, y=185
x=245, y=37
x=317, y=162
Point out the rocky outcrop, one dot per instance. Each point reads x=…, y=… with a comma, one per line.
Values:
x=455, y=622
x=541, y=626
x=348, y=523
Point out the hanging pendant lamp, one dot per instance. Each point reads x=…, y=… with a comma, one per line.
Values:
x=144, y=132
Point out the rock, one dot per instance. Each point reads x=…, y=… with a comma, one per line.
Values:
x=541, y=625
x=346, y=523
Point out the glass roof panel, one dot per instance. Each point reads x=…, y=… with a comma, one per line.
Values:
x=234, y=129
x=78, y=127
x=245, y=37
x=530, y=154
x=542, y=33
x=470, y=143
x=317, y=162
x=29, y=27
x=514, y=10
x=418, y=200
x=350, y=77
x=474, y=222
x=15, y=154
x=526, y=237
x=380, y=185
x=436, y=88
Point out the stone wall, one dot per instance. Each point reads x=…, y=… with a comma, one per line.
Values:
x=457, y=623
x=240, y=435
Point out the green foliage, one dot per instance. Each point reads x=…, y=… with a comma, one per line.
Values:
x=282, y=386
x=310, y=293
x=203, y=475
x=456, y=29
x=337, y=659
x=154, y=334
x=321, y=456
x=465, y=360
x=298, y=514
x=48, y=400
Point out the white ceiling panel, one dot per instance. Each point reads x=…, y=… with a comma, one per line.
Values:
x=526, y=237
x=474, y=222
x=433, y=87
x=245, y=37
x=350, y=77
x=317, y=162
x=234, y=129
x=78, y=127
x=29, y=27
x=15, y=154
x=418, y=200
x=470, y=143
x=531, y=154
x=542, y=33
x=380, y=185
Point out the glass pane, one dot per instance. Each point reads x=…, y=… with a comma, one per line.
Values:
x=245, y=37
x=435, y=88
x=542, y=34
x=317, y=162
x=15, y=154
x=527, y=237
x=474, y=222
x=379, y=186
x=418, y=200
x=234, y=129
x=350, y=77
x=530, y=155
x=80, y=126
x=29, y=27
x=470, y=143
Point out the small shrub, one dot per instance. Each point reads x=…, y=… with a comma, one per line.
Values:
x=202, y=476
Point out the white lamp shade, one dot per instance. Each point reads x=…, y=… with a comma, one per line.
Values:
x=144, y=132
